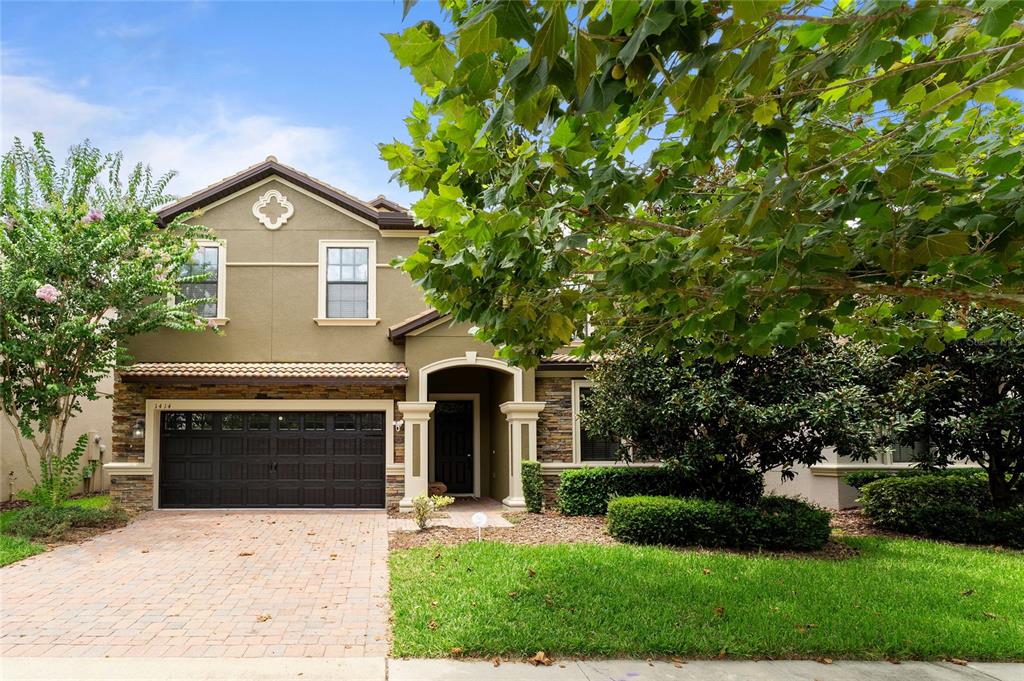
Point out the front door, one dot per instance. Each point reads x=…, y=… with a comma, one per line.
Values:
x=453, y=445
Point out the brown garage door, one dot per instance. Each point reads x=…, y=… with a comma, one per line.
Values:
x=211, y=459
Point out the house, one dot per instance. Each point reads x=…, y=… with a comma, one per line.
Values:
x=331, y=383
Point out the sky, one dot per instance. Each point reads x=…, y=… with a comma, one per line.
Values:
x=209, y=88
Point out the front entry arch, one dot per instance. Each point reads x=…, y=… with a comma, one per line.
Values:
x=470, y=359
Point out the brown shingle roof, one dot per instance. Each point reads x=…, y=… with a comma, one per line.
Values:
x=268, y=372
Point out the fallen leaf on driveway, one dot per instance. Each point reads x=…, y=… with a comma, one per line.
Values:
x=262, y=618
x=246, y=553
x=825, y=660
x=496, y=661
x=957, y=660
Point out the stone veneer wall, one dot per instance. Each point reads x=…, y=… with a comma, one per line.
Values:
x=136, y=491
x=554, y=425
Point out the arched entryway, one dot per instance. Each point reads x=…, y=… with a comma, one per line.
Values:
x=470, y=429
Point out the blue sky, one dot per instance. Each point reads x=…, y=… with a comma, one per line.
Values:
x=208, y=88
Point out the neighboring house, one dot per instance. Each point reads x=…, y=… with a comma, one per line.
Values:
x=94, y=420
x=331, y=384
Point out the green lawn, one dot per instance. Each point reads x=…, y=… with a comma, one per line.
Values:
x=13, y=549
x=899, y=599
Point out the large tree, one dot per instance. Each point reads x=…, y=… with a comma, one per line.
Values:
x=749, y=173
x=83, y=268
x=965, y=404
x=769, y=412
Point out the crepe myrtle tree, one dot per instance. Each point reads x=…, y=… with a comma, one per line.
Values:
x=766, y=412
x=745, y=173
x=965, y=404
x=83, y=268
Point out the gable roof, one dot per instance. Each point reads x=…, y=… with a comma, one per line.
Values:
x=383, y=219
x=399, y=331
x=381, y=202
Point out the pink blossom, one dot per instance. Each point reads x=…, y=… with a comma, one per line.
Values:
x=48, y=293
x=92, y=216
x=211, y=323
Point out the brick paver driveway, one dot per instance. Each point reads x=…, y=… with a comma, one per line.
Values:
x=206, y=584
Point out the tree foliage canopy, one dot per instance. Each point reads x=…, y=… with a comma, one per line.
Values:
x=83, y=268
x=966, y=403
x=755, y=412
x=748, y=174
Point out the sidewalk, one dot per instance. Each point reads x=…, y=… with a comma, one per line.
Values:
x=382, y=669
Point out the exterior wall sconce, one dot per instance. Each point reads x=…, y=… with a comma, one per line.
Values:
x=139, y=430
x=399, y=425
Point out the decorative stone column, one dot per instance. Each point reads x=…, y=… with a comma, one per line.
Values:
x=522, y=443
x=417, y=417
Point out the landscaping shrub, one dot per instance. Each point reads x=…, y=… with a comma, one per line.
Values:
x=533, y=486
x=954, y=507
x=773, y=523
x=586, y=491
x=52, y=522
x=860, y=478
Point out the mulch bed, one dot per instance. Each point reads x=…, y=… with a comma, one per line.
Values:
x=853, y=523
x=528, y=529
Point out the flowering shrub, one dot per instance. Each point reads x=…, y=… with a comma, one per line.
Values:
x=424, y=507
x=83, y=268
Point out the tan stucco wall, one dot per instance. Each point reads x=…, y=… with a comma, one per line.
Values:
x=272, y=308
x=95, y=417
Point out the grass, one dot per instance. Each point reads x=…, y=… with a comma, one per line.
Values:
x=899, y=599
x=13, y=549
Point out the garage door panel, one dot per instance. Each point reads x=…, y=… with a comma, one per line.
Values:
x=238, y=459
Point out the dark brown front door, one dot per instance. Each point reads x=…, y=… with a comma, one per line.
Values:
x=212, y=459
x=453, y=445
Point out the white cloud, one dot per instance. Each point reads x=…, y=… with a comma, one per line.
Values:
x=30, y=103
x=202, y=141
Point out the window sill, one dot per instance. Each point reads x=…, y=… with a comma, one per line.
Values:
x=346, y=321
x=836, y=470
x=217, y=321
x=565, y=465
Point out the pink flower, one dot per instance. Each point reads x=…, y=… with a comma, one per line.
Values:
x=92, y=216
x=48, y=293
x=211, y=323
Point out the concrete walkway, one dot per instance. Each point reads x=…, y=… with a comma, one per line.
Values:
x=381, y=669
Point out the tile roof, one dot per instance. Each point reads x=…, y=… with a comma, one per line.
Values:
x=564, y=360
x=304, y=372
x=383, y=215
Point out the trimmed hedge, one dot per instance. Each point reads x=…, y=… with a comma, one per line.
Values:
x=860, y=478
x=586, y=491
x=954, y=507
x=533, y=486
x=776, y=523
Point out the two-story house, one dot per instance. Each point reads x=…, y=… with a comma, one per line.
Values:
x=330, y=384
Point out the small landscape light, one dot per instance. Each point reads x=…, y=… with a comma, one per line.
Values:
x=479, y=522
x=139, y=431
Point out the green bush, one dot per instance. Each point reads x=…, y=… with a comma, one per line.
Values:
x=586, y=491
x=858, y=479
x=533, y=486
x=954, y=507
x=52, y=522
x=775, y=523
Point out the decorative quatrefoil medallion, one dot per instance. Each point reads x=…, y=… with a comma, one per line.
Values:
x=273, y=209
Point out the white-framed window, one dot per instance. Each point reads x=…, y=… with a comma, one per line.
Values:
x=209, y=259
x=347, y=283
x=587, y=448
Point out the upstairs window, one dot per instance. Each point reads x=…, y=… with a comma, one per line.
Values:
x=347, y=281
x=208, y=266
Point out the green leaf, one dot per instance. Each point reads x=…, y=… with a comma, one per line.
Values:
x=939, y=94
x=919, y=22
x=752, y=11
x=660, y=18
x=838, y=89
x=914, y=95
x=584, y=62
x=810, y=33
x=623, y=14
x=551, y=37
x=765, y=113
x=996, y=21
x=481, y=36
